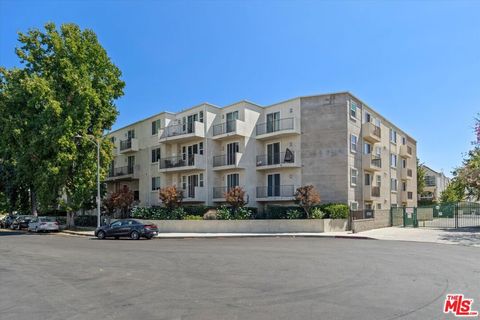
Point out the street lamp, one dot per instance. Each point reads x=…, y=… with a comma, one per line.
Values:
x=97, y=143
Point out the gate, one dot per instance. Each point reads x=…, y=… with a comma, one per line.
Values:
x=444, y=215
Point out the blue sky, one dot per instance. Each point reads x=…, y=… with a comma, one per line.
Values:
x=417, y=63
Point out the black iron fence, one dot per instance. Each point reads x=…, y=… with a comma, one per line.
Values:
x=125, y=144
x=362, y=214
x=178, y=161
x=275, y=125
x=120, y=171
x=224, y=160
x=275, y=158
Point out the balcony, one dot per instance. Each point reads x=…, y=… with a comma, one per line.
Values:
x=277, y=160
x=371, y=193
x=182, y=132
x=371, y=132
x=278, y=128
x=182, y=163
x=407, y=173
x=229, y=129
x=276, y=193
x=194, y=194
x=219, y=194
x=122, y=173
x=406, y=151
x=403, y=196
x=129, y=145
x=372, y=162
x=226, y=162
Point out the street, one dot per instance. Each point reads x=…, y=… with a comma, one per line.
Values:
x=52, y=276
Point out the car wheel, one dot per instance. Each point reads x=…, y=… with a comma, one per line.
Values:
x=101, y=235
x=134, y=235
x=149, y=237
x=116, y=238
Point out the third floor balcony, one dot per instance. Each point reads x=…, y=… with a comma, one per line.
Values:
x=371, y=132
x=182, y=163
x=407, y=173
x=227, y=161
x=123, y=173
x=371, y=193
x=372, y=162
x=229, y=129
x=182, y=132
x=278, y=128
x=128, y=145
x=278, y=160
x=406, y=151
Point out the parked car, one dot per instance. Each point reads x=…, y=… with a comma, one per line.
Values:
x=21, y=222
x=7, y=221
x=42, y=224
x=131, y=228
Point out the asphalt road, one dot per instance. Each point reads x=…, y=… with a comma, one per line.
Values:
x=67, y=277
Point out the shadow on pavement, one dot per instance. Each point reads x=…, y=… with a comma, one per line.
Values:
x=6, y=232
x=465, y=236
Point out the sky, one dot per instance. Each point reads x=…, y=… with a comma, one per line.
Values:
x=415, y=62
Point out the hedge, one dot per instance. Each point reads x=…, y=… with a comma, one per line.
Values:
x=331, y=210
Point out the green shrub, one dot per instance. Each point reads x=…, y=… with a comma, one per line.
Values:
x=294, y=214
x=177, y=213
x=336, y=211
x=192, y=217
x=243, y=213
x=278, y=212
x=317, y=213
x=199, y=210
x=223, y=213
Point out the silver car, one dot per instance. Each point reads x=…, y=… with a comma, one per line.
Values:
x=42, y=224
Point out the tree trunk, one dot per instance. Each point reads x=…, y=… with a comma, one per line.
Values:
x=33, y=201
x=70, y=219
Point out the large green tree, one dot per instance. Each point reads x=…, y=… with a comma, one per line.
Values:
x=67, y=87
x=454, y=192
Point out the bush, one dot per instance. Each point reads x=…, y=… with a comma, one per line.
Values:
x=278, y=212
x=192, y=217
x=223, y=213
x=317, y=213
x=294, y=214
x=335, y=211
x=197, y=210
x=158, y=213
x=86, y=221
x=243, y=214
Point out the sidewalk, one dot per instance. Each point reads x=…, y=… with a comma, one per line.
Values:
x=466, y=237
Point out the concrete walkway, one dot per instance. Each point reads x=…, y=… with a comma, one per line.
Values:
x=461, y=236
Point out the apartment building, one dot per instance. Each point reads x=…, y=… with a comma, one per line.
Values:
x=334, y=141
x=435, y=183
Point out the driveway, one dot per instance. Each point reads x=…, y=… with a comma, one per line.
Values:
x=65, y=277
x=461, y=236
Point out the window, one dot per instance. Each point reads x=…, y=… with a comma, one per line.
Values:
x=379, y=206
x=233, y=180
x=393, y=136
x=404, y=140
x=155, y=155
x=410, y=195
x=367, y=148
x=155, y=183
x=131, y=134
x=404, y=163
x=353, y=176
x=368, y=206
x=200, y=179
x=368, y=117
x=393, y=160
x=368, y=179
x=379, y=181
x=112, y=140
x=200, y=148
x=353, y=109
x=354, y=205
x=200, y=116
x=184, y=182
x=404, y=186
x=393, y=184
x=136, y=195
x=155, y=126
x=378, y=152
x=353, y=143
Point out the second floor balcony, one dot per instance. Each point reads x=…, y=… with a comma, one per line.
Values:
x=128, y=145
x=227, y=161
x=286, y=159
x=194, y=194
x=276, y=193
x=406, y=151
x=407, y=173
x=219, y=193
x=182, y=132
x=371, y=132
x=371, y=193
x=372, y=162
x=122, y=173
x=182, y=163
x=229, y=129
x=277, y=128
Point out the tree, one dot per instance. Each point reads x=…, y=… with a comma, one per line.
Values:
x=454, y=192
x=307, y=197
x=469, y=173
x=171, y=196
x=420, y=177
x=67, y=87
x=123, y=200
x=235, y=197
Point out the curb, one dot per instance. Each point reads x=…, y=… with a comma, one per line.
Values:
x=238, y=236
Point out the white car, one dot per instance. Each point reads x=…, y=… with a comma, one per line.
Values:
x=43, y=224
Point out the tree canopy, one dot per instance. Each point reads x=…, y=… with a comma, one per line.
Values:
x=67, y=87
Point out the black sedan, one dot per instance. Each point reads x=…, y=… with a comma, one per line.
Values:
x=21, y=222
x=131, y=228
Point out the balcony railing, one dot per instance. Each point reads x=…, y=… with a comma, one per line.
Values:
x=376, y=191
x=409, y=173
x=226, y=127
x=225, y=160
x=275, y=126
x=377, y=162
x=219, y=192
x=178, y=129
x=275, y=191
x=176, y=162
x=120, y=171
x=275, y=158
x=125, y=144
